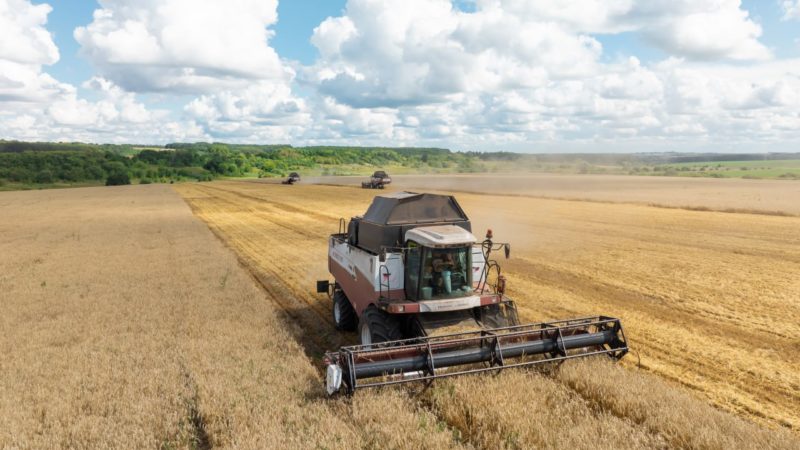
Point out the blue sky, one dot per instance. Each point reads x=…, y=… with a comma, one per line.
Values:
x=65, y=17
x=780, y=35
x=487, y=74
x=296, y=22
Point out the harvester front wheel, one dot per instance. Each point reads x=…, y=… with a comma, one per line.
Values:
x=377, y=326
x=344, y=316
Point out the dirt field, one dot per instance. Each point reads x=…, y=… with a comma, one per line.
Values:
x=770, y=196
x=127, y=324
x=708, y=299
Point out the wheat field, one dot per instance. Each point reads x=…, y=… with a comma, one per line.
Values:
x=127, y=324
x=675, y=277
x=135, y=317
x=777, y=197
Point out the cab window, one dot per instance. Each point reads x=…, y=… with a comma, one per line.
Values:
x=413, y=256
x=446, y=273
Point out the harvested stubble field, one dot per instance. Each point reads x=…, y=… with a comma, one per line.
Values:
x=708, y=299
x=126, y=324
x=777, y=197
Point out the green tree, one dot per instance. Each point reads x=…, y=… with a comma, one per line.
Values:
x=44, y=176
x=117, y=175
x=118, y=179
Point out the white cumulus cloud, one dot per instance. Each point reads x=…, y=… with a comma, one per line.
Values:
x=422, y=51
x=26, y=45
x=508, y=74
x=515, y=71
x=707, y=29
x=23, y=36
x=791, y=9
x=701, y=29
x=183, y=45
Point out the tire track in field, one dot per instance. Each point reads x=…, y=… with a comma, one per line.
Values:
x=231, y=232
x=284, y=206
x=234, y=199
x=283, y=241
x=243, y=237
x=316, y=343
x=303, y=321
x=231, y=211
x=646, y=304
x=694, y=360
x=690, y=358
x=262, y=210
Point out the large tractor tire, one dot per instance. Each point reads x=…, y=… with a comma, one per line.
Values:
x=377, y=326
x=344, y=316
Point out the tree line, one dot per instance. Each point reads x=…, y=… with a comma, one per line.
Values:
x=54, y=163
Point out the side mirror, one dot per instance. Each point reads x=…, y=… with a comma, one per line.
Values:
x=507, y=250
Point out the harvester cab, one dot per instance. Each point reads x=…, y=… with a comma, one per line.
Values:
x=428, y=300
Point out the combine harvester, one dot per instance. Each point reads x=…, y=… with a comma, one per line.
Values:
x=410, y=277
x=378, y=180
x=293, y=178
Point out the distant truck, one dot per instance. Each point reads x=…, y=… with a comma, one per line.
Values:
x=379, y=180
x=293, y=178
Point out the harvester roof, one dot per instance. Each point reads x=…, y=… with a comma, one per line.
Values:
x=390, y=216
x=413, y=208
x=440, y=236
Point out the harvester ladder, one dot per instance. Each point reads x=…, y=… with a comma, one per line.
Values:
x=384, y=282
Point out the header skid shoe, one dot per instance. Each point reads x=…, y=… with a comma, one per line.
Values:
x=428, y=358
